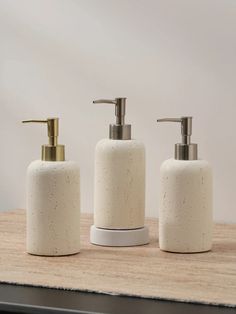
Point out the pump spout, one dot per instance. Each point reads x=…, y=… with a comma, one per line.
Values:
x=119, y=130
x=184, y=150
x=53, y=151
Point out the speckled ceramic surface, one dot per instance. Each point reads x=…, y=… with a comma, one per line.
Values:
x=53, y=208
x=185, y=210
x=119, y=201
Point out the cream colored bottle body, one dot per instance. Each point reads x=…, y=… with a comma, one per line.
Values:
x=119, y=184
x=185, y=217
x=53, y=208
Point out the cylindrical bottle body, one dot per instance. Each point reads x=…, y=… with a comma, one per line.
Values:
x=119, y=201
x=53, y=208
x=185, y=211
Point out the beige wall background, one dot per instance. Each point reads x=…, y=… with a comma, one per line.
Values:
x=168, y=57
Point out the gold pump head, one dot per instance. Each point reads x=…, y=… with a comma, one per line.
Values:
x=52, y=151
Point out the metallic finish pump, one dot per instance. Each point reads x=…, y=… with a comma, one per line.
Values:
x=53, y=151
x=185, y=150
x=120, y=130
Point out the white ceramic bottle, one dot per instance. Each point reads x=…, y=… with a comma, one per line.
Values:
x=119, y=198
x=53, y=200
x=185, y=211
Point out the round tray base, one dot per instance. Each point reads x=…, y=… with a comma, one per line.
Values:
x=112, y=237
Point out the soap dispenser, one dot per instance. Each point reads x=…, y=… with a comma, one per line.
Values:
x=119, y=196
x=53, y=199
x=185, y=210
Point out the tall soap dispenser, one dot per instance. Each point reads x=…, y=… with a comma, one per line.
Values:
x=53, y=199
x=119, y=198
x=185, y=211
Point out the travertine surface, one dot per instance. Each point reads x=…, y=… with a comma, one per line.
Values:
x=139, y=271
x=185, y=210
x=119, y=196
x=53, y=208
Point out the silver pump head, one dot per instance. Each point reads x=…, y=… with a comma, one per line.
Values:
x=119, y=130
x=185, y=150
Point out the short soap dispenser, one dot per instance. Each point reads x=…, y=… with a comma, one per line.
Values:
x=185, y=212
x=53, y=199
x=119, y=199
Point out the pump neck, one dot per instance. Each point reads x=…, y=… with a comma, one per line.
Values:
x=119, y=130
x=51, y=151
x=184, y=150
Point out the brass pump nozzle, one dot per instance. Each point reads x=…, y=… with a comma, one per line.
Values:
x=53, y=151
